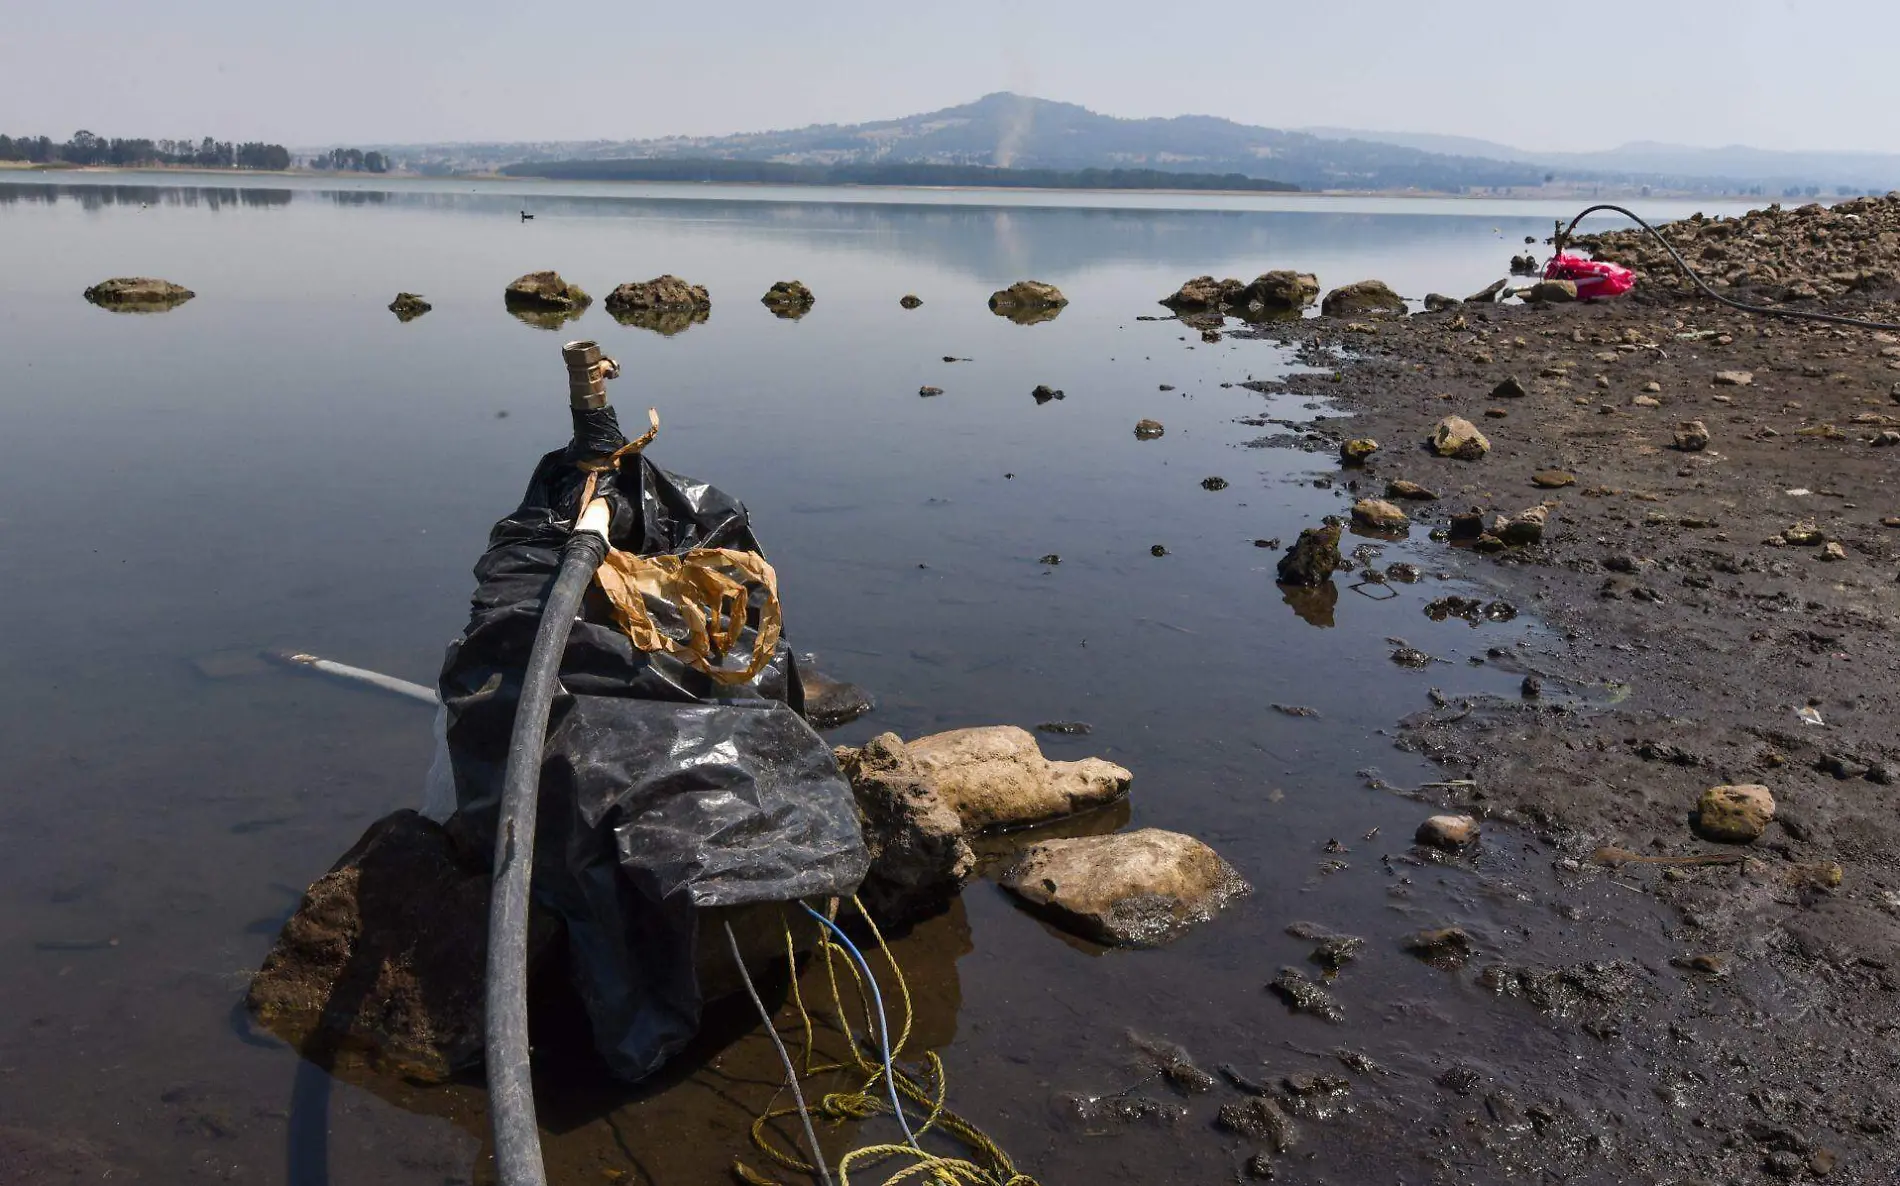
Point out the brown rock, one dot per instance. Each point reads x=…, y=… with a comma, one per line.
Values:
x=1734, y=814
x=1692, y=436
x=1280, y=291
x=1135, y=889
x=1355, y=451
x=787, y=299
x=1409, y=490
x=138, y=294
x=1734, y=378
x=1148, y=430
x=1027, y=302
x=919, y=856
x=1447, y=831
x=1366, y=298
x=408, y=306
x=997, y=777
x=1511, y=387
x=544, y=291
x=1553, y=479
x=1313, y=558
x=910, y=301
x=1550, y=292
x=1489, y=294
x=666, y=293
x=1459, y=438
x=1379, y=515
x=1204, y=293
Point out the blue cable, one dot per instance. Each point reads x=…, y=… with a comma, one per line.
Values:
x=884, y=1021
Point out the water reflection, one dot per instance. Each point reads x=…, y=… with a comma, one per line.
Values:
x=660, y=321
x=1023, y=315
x=1314, y=605
x=100, y=197
x=541, y=317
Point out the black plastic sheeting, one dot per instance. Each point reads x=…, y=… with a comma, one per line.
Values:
x=662, y=792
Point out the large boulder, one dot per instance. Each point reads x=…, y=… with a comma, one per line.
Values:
x=788, y=299
x=1364, y=299
x=662, y=293
x=1313, y=558
x=544, y=291
x=1734, y=814
x=1135, y=889
x=384, y=958
x=1204, y=293
x=1454, y=436
x=138, y=294
x=1280, y=291
x=1027, y=302
x=996, y=777
x=919, y=857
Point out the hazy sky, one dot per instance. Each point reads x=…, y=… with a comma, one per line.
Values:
x=1773, y=73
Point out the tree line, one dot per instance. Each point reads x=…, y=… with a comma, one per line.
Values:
x=86, y=148
x=351, y=160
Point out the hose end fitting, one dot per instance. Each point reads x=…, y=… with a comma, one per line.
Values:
x=587, y=373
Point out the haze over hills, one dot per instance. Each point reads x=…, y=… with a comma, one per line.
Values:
x=1016, y=131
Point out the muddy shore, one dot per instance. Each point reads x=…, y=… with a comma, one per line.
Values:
x=1720, y=614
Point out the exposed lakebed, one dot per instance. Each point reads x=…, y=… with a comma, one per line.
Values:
x=281, y=463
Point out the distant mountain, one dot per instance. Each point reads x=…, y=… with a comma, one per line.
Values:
x=1678, y=165
x=1015, y=131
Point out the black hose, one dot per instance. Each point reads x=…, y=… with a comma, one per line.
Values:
x=510, y=1086
x=1767, y=310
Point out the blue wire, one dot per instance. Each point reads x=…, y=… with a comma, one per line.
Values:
x=884, y=1021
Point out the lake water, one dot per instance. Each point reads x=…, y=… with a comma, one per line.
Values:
x=281, y=464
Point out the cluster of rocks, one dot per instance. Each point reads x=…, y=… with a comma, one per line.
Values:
x=1272, y=292
x=1812, y=253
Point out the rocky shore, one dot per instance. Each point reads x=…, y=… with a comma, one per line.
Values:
x=1710, y=720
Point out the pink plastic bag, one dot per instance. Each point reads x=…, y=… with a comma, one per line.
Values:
x=1593, y=277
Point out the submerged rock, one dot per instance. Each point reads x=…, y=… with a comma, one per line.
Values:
x=830, y=703
x=408, y=306
x=1313, y=558
x=1148, y=430
x=544, y=291
x=1028, y=302
x=910, y=300
x=1044, y=393
x=1135, y=889
x=1734, y=814
x=996, y=776
x=1303, y=994
x=1280, y=291
x=788, y=299
x=666, y=293
x=385, y=955
x=1363, y=299
x=138, y=294
x=1204, y=293
x=1459, y=438
x=1260, y=1119
x=919, y=856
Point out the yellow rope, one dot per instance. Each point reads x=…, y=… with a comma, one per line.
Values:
x=990, y=1165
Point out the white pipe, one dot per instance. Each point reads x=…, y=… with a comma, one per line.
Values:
x=377, y=679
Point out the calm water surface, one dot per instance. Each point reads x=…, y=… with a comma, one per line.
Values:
x=280, y=463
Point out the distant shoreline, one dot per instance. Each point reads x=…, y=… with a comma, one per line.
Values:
x=1606, y=194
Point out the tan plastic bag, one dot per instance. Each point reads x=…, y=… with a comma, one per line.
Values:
x=711, y=590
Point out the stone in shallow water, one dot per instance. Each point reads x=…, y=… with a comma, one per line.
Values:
x=1134, y=889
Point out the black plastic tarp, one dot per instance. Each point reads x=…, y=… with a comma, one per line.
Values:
x=662, y=791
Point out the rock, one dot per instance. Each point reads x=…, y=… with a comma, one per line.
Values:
x=928, y=391
x=910, y=301
x=385, y=955
x=1442, y=947
x=1437, y=302
x=1044, y=393
x=1379, y=515
x=1489, y=294
x=1496, y=413
x=919, y=856
x=138, y=294
x=1833, y=551
x=1448, y=832
x=1734, y=814
x=1134, y=889
x=1654, y=388
x=1805, y=534
x=1553, y=479
x=1148, y=430
x=1459, y=438
x=1260, y=1118
x=1645, y=401
x=1313, y=558
x=996, y=777
x=1204, y=293
x=1550, y=291
x=1510, y=388
x=830, y=703
x=1526, y=527
x=1303, y=995
x=1734, y=378
x=1028, y=302
x=1215, y=482
x=1366, y=298
x=1355, y=451
x=1408, y=490
x=1280, y=291
x=408, y=306
x=666, y=293
x=1692, y=436
x=545, y=291
x=1066, y=728
x=1336, y=951
x=788, y=299
x=1886, y=439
